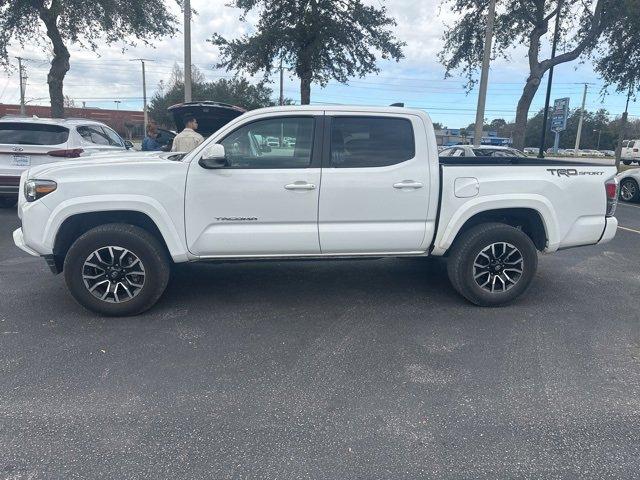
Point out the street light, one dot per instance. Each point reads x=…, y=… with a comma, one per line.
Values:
x=599, y=136
x=117, y=102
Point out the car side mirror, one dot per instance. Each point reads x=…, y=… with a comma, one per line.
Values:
x=214, y=157
x=128, y=144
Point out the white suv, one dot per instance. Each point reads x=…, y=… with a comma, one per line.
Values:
x=630, y=152
x=31, y=141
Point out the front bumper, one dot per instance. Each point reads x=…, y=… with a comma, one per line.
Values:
x=18, y=239
x=609, y=230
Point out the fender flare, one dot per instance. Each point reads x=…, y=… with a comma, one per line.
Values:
x=448, y=233
x=137, y=203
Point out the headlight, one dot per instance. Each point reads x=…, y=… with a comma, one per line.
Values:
x=35, y=189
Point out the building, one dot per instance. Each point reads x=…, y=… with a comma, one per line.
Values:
x=457, y=136
x=128, y=123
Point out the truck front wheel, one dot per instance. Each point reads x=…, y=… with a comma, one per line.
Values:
x=116, y=270
x=492, y=264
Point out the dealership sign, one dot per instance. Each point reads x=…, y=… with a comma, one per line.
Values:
x=560, y=114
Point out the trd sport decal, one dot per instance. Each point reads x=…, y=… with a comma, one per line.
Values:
x=570, y=172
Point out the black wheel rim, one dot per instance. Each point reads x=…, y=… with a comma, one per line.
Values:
x=113, y=274
x=498, y=267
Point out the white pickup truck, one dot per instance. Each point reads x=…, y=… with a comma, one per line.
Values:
x=347, y=182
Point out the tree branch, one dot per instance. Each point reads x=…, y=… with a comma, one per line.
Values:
x=594, y=32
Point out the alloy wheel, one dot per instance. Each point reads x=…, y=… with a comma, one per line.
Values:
x=113, y=274
x=498, y=267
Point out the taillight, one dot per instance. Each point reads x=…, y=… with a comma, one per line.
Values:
x=611, y=186
x=70, y=153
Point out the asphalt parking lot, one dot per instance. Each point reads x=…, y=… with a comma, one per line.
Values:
x=333, y=370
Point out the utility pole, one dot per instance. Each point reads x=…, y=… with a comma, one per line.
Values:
x=543, y=137
x=23, y=79
x=144, y=91
x=281, y=84
x=579, y=134
x=187, y=50
x=484, y=76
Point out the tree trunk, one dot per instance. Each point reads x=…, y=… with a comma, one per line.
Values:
x=59, y=63
x=305, y=90
x=522, y=112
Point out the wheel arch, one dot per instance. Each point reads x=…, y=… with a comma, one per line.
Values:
x=527, y=219
x=77, y=224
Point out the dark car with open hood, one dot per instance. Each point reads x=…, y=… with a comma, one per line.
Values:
x=211, y=116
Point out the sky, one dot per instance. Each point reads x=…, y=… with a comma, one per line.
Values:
x=108, y=75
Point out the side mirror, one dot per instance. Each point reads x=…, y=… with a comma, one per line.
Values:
x=214, y=157
x=128, y=144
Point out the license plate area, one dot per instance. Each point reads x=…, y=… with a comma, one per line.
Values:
x=20, y=160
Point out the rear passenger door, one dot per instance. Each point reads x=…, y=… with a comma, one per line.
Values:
x=375, y=184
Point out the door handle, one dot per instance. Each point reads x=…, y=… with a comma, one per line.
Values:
x=408, y=184
x=300, y=186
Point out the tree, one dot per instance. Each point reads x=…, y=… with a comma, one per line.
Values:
x=525, y=23
x=619, y=51
x=594, y=124
x=78, y=22
x=236, y=91
x=319, y=40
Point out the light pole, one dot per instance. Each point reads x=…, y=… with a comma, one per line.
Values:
x=599, y=136
x=556, y=33
x=484, y=75
x=117, y=102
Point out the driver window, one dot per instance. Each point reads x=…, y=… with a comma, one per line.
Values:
x=271, y=143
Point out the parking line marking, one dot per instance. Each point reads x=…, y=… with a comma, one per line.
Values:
x=627, y=205
x=629, y=229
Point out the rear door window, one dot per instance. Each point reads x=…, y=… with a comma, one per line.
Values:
x=21, y=133
x=93, y=134
x=358, y=142
x=114, y=138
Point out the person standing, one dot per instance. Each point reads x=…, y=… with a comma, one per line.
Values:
x=187, y=139
x=150, y=141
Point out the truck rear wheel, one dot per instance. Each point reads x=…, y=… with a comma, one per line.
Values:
x=116, y=270
x=492, y=264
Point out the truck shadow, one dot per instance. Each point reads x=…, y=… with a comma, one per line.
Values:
x=296, y=283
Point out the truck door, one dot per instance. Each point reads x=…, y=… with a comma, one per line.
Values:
x=265, y=200
x=375, y=184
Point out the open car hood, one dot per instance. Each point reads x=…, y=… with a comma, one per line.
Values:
x=211, y=116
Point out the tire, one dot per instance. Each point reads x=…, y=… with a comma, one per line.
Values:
x=514, y=251
x=626, y=162
x=629, y=190
x=135, y=261
x=8, y=202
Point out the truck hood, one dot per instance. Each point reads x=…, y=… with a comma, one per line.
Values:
x=116, y=160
